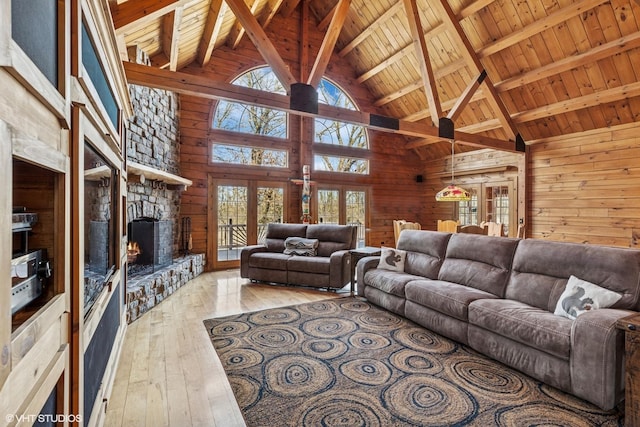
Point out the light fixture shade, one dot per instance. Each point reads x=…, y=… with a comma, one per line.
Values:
x=453, y=193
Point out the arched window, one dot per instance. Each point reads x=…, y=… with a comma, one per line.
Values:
x=238, y=117
x=251, y=119
x=336, y=133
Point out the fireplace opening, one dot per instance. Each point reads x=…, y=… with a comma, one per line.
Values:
x=150, y=245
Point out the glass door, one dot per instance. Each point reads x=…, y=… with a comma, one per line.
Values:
x=491, y=201
x=356, y=212
x=241, y=214
x=343, y=205
x=270, y=206
x=232, y=207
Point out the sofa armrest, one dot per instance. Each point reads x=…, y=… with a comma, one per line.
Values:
x=339, y=268
x=364, y=265
x=597, y=357
x=245, y=253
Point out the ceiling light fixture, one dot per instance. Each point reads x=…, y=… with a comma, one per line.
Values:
x=451, y=193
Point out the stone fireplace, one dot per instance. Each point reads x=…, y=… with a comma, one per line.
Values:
x=154, y=190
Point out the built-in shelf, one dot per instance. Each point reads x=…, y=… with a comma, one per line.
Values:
x=96, y=174
x=144, y=172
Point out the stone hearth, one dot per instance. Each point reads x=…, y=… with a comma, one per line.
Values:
x=146, y=291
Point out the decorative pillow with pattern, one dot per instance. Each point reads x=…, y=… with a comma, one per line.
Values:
x=392, y=259
x=301, y=246
x=581, y=296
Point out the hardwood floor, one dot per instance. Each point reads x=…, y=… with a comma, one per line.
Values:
x=169, y=374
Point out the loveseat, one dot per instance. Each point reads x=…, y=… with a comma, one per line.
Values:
x=499, y=296
x=298, y=254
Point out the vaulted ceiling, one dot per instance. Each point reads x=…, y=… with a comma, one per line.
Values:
x=501, y=70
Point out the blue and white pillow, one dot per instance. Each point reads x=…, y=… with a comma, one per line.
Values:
x=301, y=246
x=392, y=259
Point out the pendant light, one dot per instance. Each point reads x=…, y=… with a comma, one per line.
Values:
x=451, y=193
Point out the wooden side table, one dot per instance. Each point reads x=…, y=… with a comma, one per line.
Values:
x=631, y=326
x=356, y=255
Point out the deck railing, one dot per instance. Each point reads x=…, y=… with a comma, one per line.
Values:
x=234, y=236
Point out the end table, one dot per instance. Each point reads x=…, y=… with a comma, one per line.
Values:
x=631, y=326
x=356, y=255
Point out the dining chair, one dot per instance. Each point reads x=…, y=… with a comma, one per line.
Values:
x=401, y=224
x=473, y=229
x=448, y=225
x=493, y=228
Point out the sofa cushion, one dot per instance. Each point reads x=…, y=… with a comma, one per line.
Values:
x=332, y=237
x=541, y=269
x=300, y=246
x=269, y=260
x=581, y=296
x=527, y=325
x=390, y=282
x=277, y=233
x=481, y=262
x=392, y=259
x=307, y=264
x=449, y=298
x=425, y=251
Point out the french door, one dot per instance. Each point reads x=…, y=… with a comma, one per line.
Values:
x=343, y=205
x=240, y=213
x=494, y=201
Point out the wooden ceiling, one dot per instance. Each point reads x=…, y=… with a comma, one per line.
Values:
x=498, y=68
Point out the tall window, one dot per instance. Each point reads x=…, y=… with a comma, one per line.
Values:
x=336, y=133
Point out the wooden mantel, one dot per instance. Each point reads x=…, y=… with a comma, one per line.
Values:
x=143, y=172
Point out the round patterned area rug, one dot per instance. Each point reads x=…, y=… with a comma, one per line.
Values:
x=344, y=362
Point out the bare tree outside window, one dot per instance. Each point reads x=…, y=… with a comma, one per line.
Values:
x=339, y=133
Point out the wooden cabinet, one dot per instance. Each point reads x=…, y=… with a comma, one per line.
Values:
x=631, y=326
x=52, y=104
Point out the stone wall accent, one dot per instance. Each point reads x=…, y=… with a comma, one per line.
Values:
x=145, y=292
x=153, y=140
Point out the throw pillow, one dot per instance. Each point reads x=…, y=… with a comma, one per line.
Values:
x=392, y=259
x=580, y=296
x=300, y=246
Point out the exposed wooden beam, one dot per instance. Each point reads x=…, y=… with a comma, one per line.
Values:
x=539, y=25
x=473, y=8
x=422, y=53
x=135, y=14
x=484, y=126
x=171, y=36
x=262, y=42
x=605, y=96
x=466, y=50
x=328, y=43
x=371, y=29
x=397, y=56
x=272, y=9
x=204, y=87
x=440, y=72
x=324, y=22
x=288, y=7
x=418, y=84
x=215, y=17
x=160, y=60
x=235, y=36
x=466, y=96
x=606, y=50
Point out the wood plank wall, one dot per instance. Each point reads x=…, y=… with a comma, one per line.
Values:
x=586, y=187
x=395, y=192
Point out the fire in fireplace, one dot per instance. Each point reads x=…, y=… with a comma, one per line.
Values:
x=150, y=243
